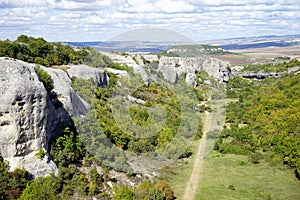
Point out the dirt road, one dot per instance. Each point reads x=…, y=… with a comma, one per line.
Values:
x=192, y=185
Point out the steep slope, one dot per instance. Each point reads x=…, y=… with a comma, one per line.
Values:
x=30, y=116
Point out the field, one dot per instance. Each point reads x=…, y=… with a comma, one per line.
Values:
x=232, y=177
x=249, y=56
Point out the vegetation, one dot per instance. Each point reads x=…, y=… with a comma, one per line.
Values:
x=45, y=78
x=272, y=67
x=232, y=176
x=194, y=51
x=41, y=153
x=95, y=59
x=122, y=132
x=264, y=120
x=67, y=148
x=146, y=190
x=12, y=183
x=121, y=67
x=39, y=51
x=41, y=188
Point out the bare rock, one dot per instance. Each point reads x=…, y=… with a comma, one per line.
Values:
x=86, y=72
x=73, y=104
x=120, y=73
x=128, y=60
x=28, y=117
x=169, y=66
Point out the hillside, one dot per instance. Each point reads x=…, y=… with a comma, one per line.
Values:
x=269, y=113
x=194, y=51
x=117, y=125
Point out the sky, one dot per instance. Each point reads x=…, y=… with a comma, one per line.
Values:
x=101, y=20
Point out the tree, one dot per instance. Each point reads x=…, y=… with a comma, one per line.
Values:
x=123, y=193
x=67, y=148
x=41, y=188
x=3, y=178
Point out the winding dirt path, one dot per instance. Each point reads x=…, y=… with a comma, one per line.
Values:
x=192, y=185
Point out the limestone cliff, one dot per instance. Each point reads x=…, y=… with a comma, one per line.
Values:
x=27, y=115
x=30, y=115
x=172, y=67
x=129, y=61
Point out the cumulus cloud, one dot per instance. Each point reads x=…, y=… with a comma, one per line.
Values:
x=101, y=19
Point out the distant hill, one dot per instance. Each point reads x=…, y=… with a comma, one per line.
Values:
x=259, y=45
x=195, y=50
x=256, y=42
x=225, y=44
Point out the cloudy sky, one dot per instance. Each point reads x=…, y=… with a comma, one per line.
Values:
x=94, y=20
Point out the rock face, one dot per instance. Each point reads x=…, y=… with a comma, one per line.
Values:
x=128, y=60
x=30, y=115
x=86, y=72
x=171, y=67
x=72, y=103
x=259, y=75
x=120, y=73
x=262, y=75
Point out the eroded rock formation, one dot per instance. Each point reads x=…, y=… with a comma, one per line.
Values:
x=30, y=115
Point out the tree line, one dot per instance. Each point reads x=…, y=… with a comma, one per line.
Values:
x=39, y=51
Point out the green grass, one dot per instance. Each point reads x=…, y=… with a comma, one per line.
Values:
x=232, y=177
x=178, y=176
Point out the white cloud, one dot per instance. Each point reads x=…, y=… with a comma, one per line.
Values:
x=77, y=19
x=171, y=6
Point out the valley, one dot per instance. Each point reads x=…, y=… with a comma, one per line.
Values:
x=188, y=122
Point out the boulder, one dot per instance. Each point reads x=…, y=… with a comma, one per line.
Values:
x=86, y=72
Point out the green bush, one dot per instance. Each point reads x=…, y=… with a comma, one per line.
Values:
x=40, y=154
x=45, y=78
x=123, y=193
x=41, y=188
x=67, y=148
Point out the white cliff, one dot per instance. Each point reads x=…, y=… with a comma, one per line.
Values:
x=30, y=115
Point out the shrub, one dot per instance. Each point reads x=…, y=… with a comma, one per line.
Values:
x=123, y=193
x=40, y=154
x=45, y=78
x=41, y=188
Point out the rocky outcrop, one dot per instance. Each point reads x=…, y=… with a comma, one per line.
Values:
x=72, y=103
x=120, y=73
x=215, y=68
x=86, y=72
x=128, y=60
x=173, y=67
x=259, y=75
x=30, y=115
x=237, y=71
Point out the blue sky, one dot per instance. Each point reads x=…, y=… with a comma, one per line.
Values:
x=95, y=20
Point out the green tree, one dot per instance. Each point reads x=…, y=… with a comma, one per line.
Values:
x=41, y=188
x=123, y=193
x=67, y=149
